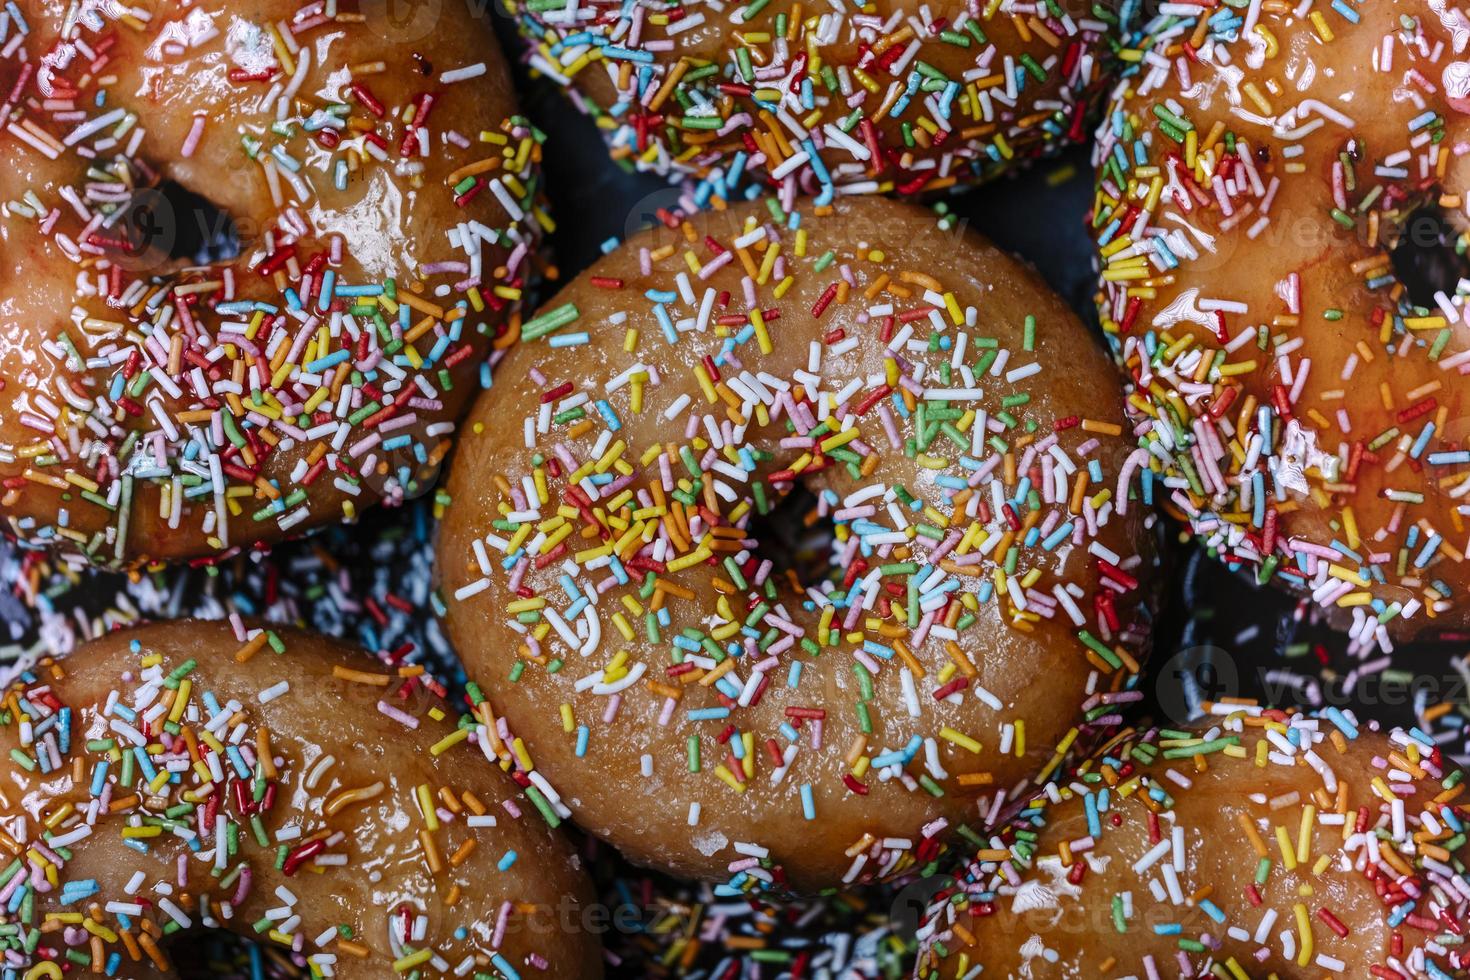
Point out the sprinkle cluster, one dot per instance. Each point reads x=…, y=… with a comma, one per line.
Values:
x=877, y=98
x=1359, y=846
x=773, y=350
x=213, y=798
x=1255, y=169
x=234, y=402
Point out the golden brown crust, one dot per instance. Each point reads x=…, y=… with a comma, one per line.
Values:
x=1271, y=217
x=345, y=833
x=151, y=410
x=661, y=720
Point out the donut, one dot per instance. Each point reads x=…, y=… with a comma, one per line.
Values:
x=616, y=575
x=1257, y=173
x=158, y=403
x=362, y=827
x=1263, y=845
x=890, y=96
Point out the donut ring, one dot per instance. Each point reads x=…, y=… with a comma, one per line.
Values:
x=630, y=626
x=889, y=97
x=1307, y=416
x=283, y=744
x=1242, y=849
x=154, y=408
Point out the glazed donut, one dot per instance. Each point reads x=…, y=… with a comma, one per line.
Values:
x=383, y=192
x=1305, y=408
x=894, y=96
x=612, y=562
x=363, y=828
x=1264, y=845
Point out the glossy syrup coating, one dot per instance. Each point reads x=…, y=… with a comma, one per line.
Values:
x=1255, y=844
x=363, y=827
x=613, y=585
x=383, y=193
x=892, y=96
x=1255, y=172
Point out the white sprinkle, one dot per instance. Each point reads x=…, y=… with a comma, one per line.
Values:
x=462, y=74
x=274, y=691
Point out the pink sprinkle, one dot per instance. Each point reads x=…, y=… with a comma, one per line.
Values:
x=196, y=132
x=404, y=719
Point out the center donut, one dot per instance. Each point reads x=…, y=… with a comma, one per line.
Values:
x=655, y=659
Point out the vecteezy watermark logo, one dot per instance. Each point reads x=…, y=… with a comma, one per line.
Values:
x=406, y=463
x=407, y=21
x=912, y=903
x=1193, y=676
x=1456, y=437
x=410, y=21
x=650, y=212
x=146, y=232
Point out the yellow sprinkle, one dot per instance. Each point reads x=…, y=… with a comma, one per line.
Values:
x=840, y=439
x=131, y=833
x=412, y=960
x=522, y=756
x=1239, y=367
x=729, y=778
x=704, y=381
x=1304, y=836
x=426, y=806
x=1271, y=46
x=1304, y=932
x=181, y=700
x=453, y=738
x=952, y=305
x=685, y=561
x=762, y=336
x=1288, y=853
x=960, y=739
x=1325, y=33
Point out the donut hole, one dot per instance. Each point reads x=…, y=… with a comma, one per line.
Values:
x=1425, y=258
x=218, y=954
x=170, y=225
x=796, y=538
